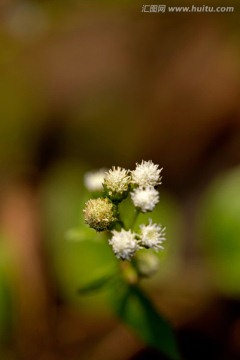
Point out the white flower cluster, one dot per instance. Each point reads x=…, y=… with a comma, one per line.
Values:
x=117, y=183
x=125, y=242
x=103, y=213
x=146, y=176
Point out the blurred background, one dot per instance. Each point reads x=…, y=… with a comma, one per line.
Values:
x=86, y=85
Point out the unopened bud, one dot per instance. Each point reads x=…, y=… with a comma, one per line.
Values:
x=99, y=214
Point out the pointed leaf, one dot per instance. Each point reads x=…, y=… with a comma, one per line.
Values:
x=96, y=285
x=137, y=311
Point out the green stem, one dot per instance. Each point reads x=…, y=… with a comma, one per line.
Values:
x=119, y=223
x=129, y=272
x=137, y=212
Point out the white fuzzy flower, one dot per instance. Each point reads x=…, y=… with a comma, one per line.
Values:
x=124, y=244
x=93, y=180
x=117, y=179
x=146, y=174
x=116, y=183
x=145, y=199
x=152, y=236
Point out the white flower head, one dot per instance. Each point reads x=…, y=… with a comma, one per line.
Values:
x=145, y=199
x=93, y=180
x=116, y=182
x=146, y=174
x=152, y=236
x=147, y=263
x=124, y=244
x=99, y=213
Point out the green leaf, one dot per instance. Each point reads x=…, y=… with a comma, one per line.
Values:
x=137, y=311
x=96, y=285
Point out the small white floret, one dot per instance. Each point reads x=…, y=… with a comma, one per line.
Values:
x=145, y=199
x=146, y=174
x=152, y=236
x=124, y=244
x=117, y=180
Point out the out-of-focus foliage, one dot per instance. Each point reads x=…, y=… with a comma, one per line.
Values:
x=220, y=222
x=78, y=253
x=6, y=302
x=136, y=310
x=17, y=130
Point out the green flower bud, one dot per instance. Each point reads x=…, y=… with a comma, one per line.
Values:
x=147, y=263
